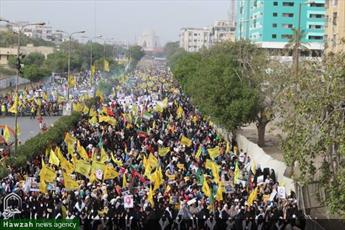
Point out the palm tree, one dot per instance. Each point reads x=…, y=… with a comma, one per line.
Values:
x=295, y=44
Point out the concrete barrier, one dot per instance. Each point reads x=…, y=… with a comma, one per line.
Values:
x=265, y=161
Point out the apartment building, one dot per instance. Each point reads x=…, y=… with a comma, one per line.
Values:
x=45, y=32
x=335, y=26
x=193, y=39
x=269, y=24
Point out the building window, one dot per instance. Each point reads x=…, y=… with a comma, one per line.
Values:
x=315, y=37
x=274, y=25
x=288, y=4
x=315, y=27
x=316, y=15
x=287, y=15
x=314, y=4
x=335, y=15
x=286, y=36
x=274, y=36
x=335, y=2
x=275, y=3
x=275, y=14
x=287, y=26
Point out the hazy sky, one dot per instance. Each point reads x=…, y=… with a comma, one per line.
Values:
x=122, y=19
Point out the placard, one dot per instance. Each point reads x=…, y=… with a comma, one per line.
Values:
x=128, y=201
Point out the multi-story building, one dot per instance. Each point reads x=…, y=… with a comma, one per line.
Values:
x=269, y=24
x=45, y=32
x=193, y=39
x=223, y=30
x=335, y=25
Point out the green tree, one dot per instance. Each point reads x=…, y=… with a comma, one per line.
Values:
x=211, y=78
x=34, y=59
x=35, y=73
x=57, y=62
x=135, y=53
x=313, y=114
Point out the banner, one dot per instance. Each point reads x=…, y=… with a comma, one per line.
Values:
x=83, y=167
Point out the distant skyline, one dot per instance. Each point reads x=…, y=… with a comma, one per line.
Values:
x=119, y=19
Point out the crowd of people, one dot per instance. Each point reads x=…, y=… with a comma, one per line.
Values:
x=148, y=143
x=47, y=98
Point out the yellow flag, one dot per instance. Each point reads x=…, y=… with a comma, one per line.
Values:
x=67, y=166
x=152, y=161
x=99, y=94
x=93, y=120
x=7, y=134
x=220, y=190
x=97, y=165
x=47, y=174
x=70, y=149
x=118, y=162
x=236, y=173
x=214, y=152
x=86, y=109
x=106, y=66
x=43, y=187
x=186, y=141
x=69, y=183
x=124, y=181
x=93, y=112
x=104, y=156
x=83, y=167
x=214, y=168
x=71, y=81
x=163, y=151
x=198, y=153
x=252, y=196
x=78, y=107
x=205, y=188
x=69, y=139
x=227, y=150
x=110, y=173
x=53, y=159
x=14, y=107
x=179, y=112
x=159, y=108
x=82, y=152
x=150, y=197
x=108, y=119
x=165, y=102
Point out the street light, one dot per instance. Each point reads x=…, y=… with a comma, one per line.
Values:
x=21, y=27
x=69, y=54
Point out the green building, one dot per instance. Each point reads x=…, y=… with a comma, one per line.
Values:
x=269, y=23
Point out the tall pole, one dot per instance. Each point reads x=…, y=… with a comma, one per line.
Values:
x=91, y=56
x=17, y=96
x=68, y=64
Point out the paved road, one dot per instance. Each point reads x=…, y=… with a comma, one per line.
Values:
x=28, y=127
